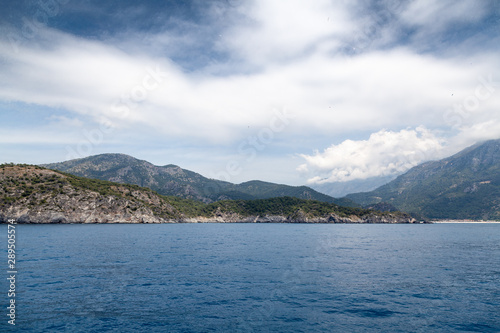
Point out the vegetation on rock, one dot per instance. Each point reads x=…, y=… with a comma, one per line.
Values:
x=172, y=180
x=33, y=194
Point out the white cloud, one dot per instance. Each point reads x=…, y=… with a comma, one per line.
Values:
x=380, y=89
x=384, y=153
x=276, y=31
x=280, y=54
x=480, y=131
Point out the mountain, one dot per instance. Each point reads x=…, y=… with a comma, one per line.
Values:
x=174, y=181
x=463, y=186
x=166, y=180
x=32, y=194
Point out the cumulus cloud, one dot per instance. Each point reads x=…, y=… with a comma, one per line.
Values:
x=384, y=153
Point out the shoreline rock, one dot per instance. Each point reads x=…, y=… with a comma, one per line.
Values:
x=26, y=217
x=33, y=195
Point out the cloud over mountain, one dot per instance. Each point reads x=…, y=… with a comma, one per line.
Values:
x=194, y=77
x=384, y=153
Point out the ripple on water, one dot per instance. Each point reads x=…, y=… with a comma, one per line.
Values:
x=258, y=278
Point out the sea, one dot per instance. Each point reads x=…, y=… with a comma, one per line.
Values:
x=255, y=278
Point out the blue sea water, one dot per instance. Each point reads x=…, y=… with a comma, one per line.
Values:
x=256, y=278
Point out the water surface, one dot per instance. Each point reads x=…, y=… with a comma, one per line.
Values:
x=258, y=278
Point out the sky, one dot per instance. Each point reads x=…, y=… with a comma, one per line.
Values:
x=296, y=92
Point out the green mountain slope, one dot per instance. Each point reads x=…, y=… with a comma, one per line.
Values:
x=301, y=210
x=463, y=186
x=120, y=168
x=174, y=181
x=32, y=194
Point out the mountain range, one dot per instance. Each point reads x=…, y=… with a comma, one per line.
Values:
x=463, y=186
x=172, y=180
x=32, y=194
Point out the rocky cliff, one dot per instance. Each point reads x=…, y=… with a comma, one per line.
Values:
x=329, y=218
x=31, y=194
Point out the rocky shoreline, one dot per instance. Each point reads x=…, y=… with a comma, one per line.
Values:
x=24, y=216
x=34, y=195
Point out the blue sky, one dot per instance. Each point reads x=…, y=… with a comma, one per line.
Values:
x=295, y=92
